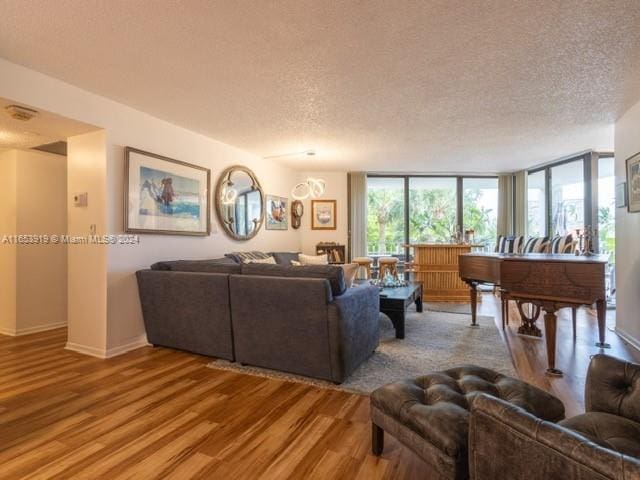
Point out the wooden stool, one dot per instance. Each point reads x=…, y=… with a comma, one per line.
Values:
x=388, y=264
x=364, y=262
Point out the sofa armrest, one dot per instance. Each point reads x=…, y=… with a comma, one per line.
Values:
x=507, y=442
x=613, y=386
x=187, y=310
x=354, y=328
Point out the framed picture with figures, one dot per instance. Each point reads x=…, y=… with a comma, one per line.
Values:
x=165, y=196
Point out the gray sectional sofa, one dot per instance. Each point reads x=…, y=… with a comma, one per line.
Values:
x=301, y=320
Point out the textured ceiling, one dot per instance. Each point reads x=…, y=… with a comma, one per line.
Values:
x=464, y=86
x=44, y=128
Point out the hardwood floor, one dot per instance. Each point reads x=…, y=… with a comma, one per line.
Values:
x=160, y=413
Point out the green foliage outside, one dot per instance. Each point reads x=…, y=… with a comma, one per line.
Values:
x=607, y=232
x=432, y=218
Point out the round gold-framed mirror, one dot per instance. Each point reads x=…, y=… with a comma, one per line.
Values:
x=239, y=201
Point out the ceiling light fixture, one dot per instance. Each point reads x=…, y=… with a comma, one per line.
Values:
x=311, y=188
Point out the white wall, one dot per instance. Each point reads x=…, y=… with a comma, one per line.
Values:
x=627, y=143
x=336, y=183
x=41, y=270
x=125, y=126
x=8, y=251
x=33, y=277
x=87, y=264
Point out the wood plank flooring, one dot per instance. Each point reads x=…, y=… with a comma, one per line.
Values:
x=160, y=413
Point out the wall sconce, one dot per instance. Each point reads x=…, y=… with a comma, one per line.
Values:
x=311, y=188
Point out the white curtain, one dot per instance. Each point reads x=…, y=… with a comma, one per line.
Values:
x=358, y=214
x=521, y=203
x=505, y=204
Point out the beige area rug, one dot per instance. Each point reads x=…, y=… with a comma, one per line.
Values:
x=446, y=307
x=433, y=341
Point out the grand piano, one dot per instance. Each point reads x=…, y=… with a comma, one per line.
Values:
x=548, y=282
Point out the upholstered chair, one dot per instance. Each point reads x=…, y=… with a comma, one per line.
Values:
x=603, y=443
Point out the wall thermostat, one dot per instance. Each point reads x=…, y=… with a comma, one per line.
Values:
x=81, y=199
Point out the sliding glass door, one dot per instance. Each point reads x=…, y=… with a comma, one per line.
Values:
x=432, y=209
x=607, y=207
x=480, y=208
x=537, y=204
x=385, y=216
x=567, y=197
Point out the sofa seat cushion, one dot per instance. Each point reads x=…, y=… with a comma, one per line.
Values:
x=335, y=275
x=436, y=405
x=611, y=431
x=215, y=265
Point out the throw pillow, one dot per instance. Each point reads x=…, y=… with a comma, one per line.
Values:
x=240, y=257
x=350, y=272
x=295, y=263
x=313, y=259
x=269, y=260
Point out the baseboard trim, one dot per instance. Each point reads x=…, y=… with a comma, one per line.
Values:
x=8, y=331
x=28, y=331
x=138, y=342
x=628, y=338
x=134, y=344
x=86, y=350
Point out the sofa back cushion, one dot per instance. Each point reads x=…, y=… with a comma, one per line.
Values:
x=335, y=275
x=215, y=265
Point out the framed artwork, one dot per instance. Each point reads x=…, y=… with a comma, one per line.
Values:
x=323, y=214
x=621, y=195
x=165, y=196
x=277, y=213
x=633, y=183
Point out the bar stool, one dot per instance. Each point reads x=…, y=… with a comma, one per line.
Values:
x=364, y=262
x=388, y=264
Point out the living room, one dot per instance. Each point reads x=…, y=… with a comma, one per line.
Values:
x=431, y=166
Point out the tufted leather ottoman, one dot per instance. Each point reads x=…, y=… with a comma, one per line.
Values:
x=430, y=414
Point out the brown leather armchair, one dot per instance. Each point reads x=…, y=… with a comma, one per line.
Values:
x=505, y=441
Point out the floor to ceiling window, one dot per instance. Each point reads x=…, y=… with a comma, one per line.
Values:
x=385, y=215
x=537, y=204
x=480, y=208
x=567, y=197
x=406, y=209
x=432, y=209
x=607, y=207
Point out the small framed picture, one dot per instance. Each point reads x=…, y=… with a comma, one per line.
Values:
x=621, y=195
x=165, y=196
x=277, y=212
x=633, y=183
x=323, y=214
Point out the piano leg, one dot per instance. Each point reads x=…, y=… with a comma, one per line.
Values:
x=601, y=306
x=473, y=292
x=550, y=323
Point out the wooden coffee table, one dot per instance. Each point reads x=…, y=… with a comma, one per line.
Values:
x=395, y=301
